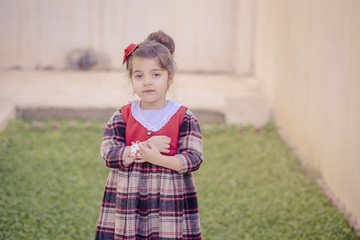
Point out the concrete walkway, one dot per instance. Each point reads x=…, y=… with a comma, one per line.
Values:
x=78, y=91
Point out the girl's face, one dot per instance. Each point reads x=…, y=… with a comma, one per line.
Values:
x=150, y=82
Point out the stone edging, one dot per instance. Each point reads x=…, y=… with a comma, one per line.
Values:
x=9, y=112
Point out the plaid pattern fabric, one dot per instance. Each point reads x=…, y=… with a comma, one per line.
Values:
x=145, y=201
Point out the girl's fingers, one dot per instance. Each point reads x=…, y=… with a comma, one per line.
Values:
x=142, y=145
x=146, y=144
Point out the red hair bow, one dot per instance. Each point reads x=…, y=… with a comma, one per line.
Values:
x=129, y=50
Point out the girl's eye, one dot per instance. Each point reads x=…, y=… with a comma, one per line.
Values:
x=157, y=74
x=137, y=76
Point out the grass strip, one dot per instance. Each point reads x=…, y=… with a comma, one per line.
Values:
x=250, y=186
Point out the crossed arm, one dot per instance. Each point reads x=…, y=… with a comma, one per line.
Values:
x=151, y=152
x=189, y=158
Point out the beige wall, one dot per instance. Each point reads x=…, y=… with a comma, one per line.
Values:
x=42, y=32
x=307, y=58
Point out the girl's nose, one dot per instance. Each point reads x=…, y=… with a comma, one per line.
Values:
x=147, y=80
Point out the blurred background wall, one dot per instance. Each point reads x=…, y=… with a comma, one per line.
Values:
x=305, y=55
x=42, y=33
x=307, y=59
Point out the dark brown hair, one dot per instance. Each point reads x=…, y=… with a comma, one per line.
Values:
x=157, y=45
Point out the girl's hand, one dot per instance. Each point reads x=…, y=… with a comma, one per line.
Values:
x=162, y=143
x=149, y=152
x=129, y=158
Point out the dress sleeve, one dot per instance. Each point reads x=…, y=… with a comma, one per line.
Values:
x=113, y=147
x=190, y=150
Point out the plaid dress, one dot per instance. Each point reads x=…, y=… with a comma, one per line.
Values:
x=145, y=201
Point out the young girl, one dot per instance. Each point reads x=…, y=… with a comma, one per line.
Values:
x=151, y=145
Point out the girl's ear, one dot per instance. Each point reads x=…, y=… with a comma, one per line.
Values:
x=170, y=80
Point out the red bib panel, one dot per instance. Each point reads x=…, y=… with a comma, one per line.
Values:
x=136, y=132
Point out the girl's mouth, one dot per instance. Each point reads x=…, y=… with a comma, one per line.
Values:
x=149, y=91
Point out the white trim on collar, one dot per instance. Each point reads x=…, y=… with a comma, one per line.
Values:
x=167, y=112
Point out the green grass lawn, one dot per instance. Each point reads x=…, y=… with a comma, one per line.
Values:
x=250, y=186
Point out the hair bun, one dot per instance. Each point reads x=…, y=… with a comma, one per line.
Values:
x=164, y=39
